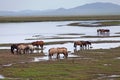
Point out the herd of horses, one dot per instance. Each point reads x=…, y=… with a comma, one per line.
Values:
x=103, y=32
x=24, y=48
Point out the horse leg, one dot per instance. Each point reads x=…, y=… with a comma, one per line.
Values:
x=75, y=45
x=58, y=55
x=50, y=56
x=12, y=50
x=41, y=47
x=66, y=55
x=81, y=47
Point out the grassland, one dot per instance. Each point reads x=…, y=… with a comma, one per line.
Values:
x=97, y=24
x=57, y=18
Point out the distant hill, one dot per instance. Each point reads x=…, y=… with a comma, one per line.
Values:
x=87, y=9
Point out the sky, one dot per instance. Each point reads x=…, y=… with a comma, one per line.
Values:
x=18, y=5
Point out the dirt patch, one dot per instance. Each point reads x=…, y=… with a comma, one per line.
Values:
x=6, y=57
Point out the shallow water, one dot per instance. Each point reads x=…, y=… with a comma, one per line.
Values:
x=70, y=47
x=18, y=32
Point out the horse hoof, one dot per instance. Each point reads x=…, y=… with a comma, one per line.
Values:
x=91, y=47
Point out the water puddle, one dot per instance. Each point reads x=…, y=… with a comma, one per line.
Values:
x=117, y=58
x=2, y=77
x=104, y=76
x=45, y=58
x=7, y=65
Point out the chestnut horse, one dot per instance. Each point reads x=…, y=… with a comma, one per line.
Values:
x=60, y=50
x=38, y=43
x=78, y=43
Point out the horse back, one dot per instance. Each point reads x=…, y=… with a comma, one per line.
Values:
x=53, y=50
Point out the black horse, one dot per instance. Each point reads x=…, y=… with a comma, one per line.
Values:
x=14, y=47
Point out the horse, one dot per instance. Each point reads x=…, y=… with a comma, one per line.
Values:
x=78, y=43
x=30, y=48
x=38, y=43
x=62, y=50
x=59, y=50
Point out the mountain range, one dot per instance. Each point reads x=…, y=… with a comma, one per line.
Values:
x=87, y=9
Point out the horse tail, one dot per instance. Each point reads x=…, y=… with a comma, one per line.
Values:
x=74, y=44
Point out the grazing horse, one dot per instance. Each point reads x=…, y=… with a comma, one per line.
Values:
x=103, y=32
x=60, y=50
x=78, y=43
x=30, y=48
x=38, y=43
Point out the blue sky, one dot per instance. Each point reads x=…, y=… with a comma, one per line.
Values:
x=17, y=5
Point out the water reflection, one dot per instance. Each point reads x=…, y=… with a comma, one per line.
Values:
x=45, y=58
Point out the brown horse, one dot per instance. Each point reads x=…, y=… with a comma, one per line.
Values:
x=78, y=43
x=38, y=43
x=104, y=32
x=60, y=50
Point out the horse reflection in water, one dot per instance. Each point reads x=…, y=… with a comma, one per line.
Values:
x=103, y=32
x=22, y=48
x=39, y=45
x=58, y=51
x=83, y=45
